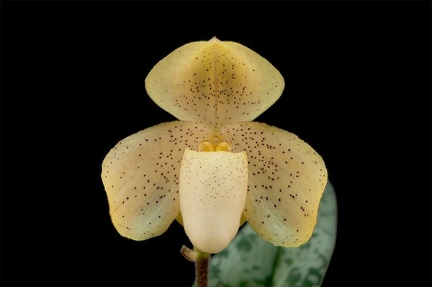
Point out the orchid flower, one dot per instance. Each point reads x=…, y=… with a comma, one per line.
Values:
x=214, y=168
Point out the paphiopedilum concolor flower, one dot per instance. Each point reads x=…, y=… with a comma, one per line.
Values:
x=214, y=168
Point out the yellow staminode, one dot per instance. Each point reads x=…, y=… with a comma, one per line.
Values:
x=208, y=146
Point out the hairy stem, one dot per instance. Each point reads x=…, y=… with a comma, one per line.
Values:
x=201, y=260
x=201, y=268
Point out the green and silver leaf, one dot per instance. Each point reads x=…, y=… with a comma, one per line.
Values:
x=250, y=261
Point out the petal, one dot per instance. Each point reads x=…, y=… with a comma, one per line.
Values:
x=214, y=82
x=140, y=175
x=213, y=188
x=286, y=181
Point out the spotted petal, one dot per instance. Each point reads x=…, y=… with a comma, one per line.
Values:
x=286, y=181
x=141, y=175
x=215, y=82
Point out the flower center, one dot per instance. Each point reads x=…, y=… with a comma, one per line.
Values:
x=208, y=146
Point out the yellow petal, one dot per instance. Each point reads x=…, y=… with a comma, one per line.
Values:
x=140, y=175
x=213, y=188
x=214, y=82
x=286, y=181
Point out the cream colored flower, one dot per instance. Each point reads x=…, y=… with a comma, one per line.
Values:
x=214, y=168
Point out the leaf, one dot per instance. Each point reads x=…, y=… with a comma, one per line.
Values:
x=250, y=261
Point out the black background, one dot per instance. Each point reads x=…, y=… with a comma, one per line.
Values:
x=357, y=89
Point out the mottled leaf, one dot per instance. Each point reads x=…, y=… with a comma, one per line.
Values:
x=251, y=261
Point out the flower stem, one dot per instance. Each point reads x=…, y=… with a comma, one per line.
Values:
x=201, y=268
x=201, y=260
